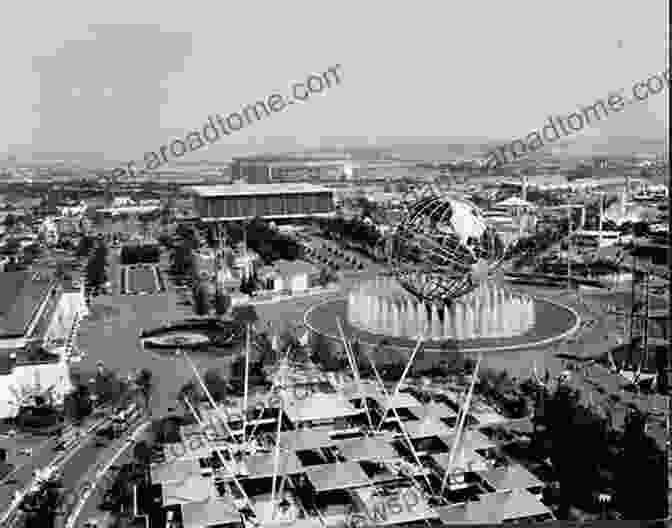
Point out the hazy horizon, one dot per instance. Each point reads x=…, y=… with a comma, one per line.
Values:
x=407, y=148
x=113, y=83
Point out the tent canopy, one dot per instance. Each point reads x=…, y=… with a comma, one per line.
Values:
x=515, y=201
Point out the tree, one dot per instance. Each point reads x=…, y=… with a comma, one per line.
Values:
x=211, y=237
x=190, y=392
x=142, y=453
x=62, y=272
x=237, y=374
x=216, y=384
x=222, y=302
x=562, y=409
x=229, y=259
x=109, y=387
x=246, y=285
x=201, y=301
x=265, y=348
x=288, y=340
x=165, y=240
x=165, y=215
x=363, y=364
x=30, y=253
x=641, y=461
x=324, y=277
x=85, y=246
x=182, y=262
x=10, y=221
x=12, y=245
x=322, y=353
x=145, y=384
x=100, y=251
x=96, y=274
x=245, y=314
x=77, y=404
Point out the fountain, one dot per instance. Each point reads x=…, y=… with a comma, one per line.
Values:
x=383, y=306
x=490, y=317
x=444, y=257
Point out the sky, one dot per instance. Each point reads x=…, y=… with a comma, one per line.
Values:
x=125, y=77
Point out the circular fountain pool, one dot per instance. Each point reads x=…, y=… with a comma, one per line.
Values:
x=490, y=318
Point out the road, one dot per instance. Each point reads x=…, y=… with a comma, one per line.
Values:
x=87, y=483
x=23, y=475
x=72, y=460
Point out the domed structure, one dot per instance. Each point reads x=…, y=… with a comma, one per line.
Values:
x=443, y=248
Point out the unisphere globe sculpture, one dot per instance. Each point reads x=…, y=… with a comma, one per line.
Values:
x=443, y=248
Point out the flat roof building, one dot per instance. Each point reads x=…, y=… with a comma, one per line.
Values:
x=241, y=201
x=291, y=168
x=24, y=302
x=37, y=315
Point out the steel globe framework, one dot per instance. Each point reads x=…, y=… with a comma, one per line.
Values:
x=443, y=248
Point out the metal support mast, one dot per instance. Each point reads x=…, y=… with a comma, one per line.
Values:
x=569, y=248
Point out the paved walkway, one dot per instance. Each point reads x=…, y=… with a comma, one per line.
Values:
x=21, y=479
x=87, y=486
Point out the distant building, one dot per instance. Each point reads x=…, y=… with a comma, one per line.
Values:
x=292, y=276
x=73, y=211
x=291, y=168
x=68, y=225
x=384, y=170
x=123, y=201
x=229, y=279
x=269, y=201
x=49, y=229
x=127, y=205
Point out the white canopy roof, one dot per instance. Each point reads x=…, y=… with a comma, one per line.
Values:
x=515, y=201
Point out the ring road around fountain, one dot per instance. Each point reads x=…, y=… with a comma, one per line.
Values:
x=490, y=318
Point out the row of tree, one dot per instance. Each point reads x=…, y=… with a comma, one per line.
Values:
x=105, y=388
x=262, y=354
x=627, y=466
x=140, y=254
x=204, y=303
x=631, y=467
x=267, y=242
x=181, y=245
x=355, y=230
x=96, y=267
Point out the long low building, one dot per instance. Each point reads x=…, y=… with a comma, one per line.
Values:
x=285, y=168
x=269, y=201
x=35, y=310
